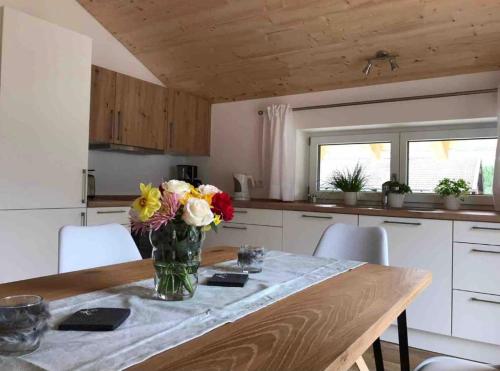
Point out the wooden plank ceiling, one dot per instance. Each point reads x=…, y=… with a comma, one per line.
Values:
x=239, y=49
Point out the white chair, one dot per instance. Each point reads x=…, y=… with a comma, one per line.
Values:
x=453, y=364
x=350, y=242
x=90, y=247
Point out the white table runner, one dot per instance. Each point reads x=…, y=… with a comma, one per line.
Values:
x=155, y=326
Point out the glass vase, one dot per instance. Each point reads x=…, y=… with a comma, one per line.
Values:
x=176, y=258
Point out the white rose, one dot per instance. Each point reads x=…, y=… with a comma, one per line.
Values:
x=207, y=189
x=197, y=212
x=178, y=187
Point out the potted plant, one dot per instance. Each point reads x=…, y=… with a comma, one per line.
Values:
x=397, y=193
x=350, y=182
x=176, y=216
x=452, y=191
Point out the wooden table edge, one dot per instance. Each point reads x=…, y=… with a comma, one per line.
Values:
x=212, y=255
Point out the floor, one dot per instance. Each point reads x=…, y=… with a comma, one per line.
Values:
x=390, y=353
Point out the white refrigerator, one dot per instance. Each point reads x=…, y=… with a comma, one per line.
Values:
x=44, y=128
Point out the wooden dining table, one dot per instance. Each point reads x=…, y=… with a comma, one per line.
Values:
x=327, y=326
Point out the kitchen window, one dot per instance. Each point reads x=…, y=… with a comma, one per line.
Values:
x=429, y=156
x=375, y=158
x=378, y=154
x=415, y=156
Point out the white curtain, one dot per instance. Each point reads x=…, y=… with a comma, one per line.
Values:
x=278, y=152
x=496, y=177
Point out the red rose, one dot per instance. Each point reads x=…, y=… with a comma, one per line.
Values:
x=222, y=205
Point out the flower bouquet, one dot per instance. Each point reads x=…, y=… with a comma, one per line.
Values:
x=176, y=215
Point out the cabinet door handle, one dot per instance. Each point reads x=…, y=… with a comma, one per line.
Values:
x=402, y=223
x=241, y=211
x=112, y=212
x=84, y=186
x=82, y=219
x=484, y=301
x=119, y=128
x=112, y=123
x=234, y=227
x=317, y=216
x=485, y=251
x=171, y=135
x=485, y=228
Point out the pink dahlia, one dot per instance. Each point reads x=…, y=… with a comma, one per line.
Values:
x=169, y=206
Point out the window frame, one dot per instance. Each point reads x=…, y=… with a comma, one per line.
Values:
x=399, y=139
x=451, y=134
x=344, y=138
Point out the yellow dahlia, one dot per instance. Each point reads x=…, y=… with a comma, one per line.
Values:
x=148, y=203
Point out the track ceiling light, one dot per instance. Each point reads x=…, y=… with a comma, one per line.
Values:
x=381, y=55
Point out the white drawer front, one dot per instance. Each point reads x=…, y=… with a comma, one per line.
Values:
x=302, y=230
x=425, y=244
x=233, y=234
x=258, y=217
x=476, y=316
x=476, y=268
x=108, y=215
x=477, y=232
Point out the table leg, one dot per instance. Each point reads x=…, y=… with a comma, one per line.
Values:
x=377, y=352
x=404, y=356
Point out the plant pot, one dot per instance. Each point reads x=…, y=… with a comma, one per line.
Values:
x=396, y=200
x=451, y=203
x=176, y=258
x=350, y=198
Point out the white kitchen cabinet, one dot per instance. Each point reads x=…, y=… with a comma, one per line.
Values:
x=234, y=234
x=44, y=113
x=426, y=244
x=476, y=268
x=477, y=232
x=258, y=217
x=302, y=230
x=30, y=241
x=476, y=316
x=108, y=215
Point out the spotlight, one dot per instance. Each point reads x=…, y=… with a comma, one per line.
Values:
x=368, y=68
x=381, y=55
x=394, y=65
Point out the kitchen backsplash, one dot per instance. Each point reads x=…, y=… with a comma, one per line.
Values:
x=120, y=173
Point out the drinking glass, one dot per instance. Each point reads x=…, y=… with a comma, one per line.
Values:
x=251, y=258
x=23, y=320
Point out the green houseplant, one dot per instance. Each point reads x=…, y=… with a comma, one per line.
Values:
x=397, y=193
x=452, y=192
x=350, y=182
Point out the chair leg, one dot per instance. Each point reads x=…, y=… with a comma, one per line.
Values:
x=361, y=364
x=377, y=353
x=404, y=354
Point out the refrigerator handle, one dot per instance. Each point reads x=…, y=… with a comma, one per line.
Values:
x=84, y=186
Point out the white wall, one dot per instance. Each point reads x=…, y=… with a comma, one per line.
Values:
x=107, y=51
x=121, y=173
x=235, y=125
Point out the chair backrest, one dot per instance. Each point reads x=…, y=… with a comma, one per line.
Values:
x=349, y=242
x=89, y=247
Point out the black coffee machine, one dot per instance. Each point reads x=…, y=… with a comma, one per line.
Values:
x=189, y=174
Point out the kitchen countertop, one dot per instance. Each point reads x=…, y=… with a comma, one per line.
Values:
x=410, y=212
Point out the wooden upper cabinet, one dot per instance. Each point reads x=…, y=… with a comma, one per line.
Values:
x=102, y=105
x=188, y=124
x=141, y=113
x=203, y=128
x=132, y=112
